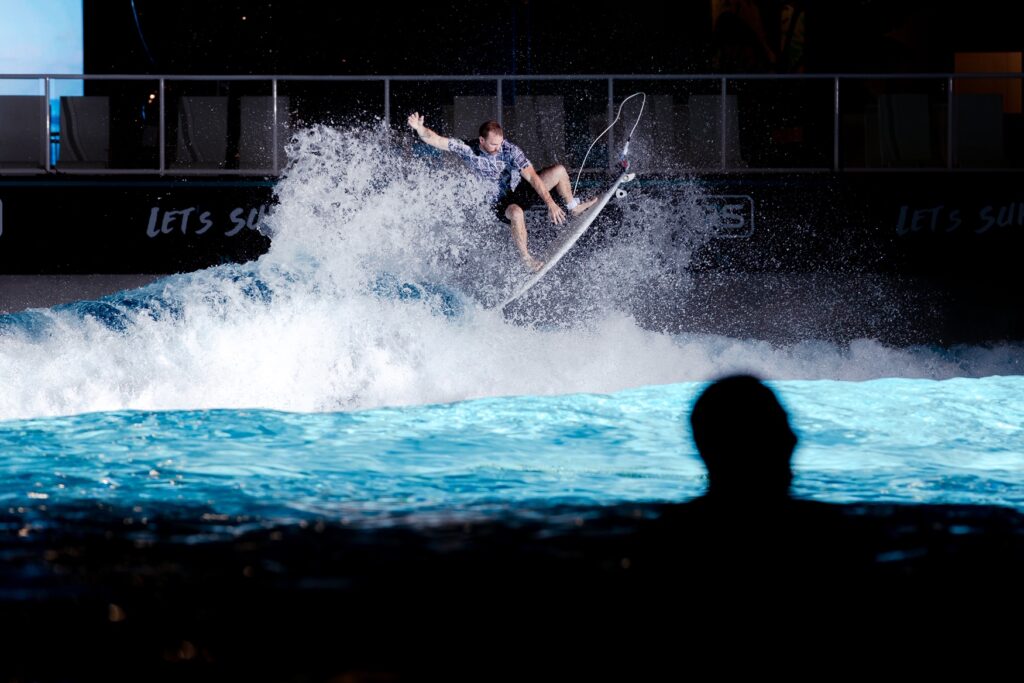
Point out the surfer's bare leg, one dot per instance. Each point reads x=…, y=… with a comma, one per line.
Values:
x=557, y=178
x=517, y=222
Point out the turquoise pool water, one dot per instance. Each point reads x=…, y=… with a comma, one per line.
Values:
x=912, y=441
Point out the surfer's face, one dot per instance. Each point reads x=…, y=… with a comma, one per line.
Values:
x=492, y=143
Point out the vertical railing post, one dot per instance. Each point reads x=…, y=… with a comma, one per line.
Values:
x=611, y=118
x=273, y=135
x=163, y=132
x=499, y=104
x=835, y=124
x=387, y=101
x=722, y=123
x=47, y=123
x=949, y=123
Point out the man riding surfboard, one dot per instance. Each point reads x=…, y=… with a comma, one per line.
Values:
x=503, y=164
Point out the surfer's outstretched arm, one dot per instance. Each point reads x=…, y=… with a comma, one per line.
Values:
x=426, y=135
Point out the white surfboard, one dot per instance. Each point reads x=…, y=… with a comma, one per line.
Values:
x=567, y=238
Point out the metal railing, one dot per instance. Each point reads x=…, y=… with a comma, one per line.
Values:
x=871, y=106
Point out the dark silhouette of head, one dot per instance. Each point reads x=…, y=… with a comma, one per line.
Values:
x=743, y=436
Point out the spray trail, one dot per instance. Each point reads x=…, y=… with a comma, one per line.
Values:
x=372, y=294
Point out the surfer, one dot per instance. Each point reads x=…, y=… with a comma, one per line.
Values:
x=503, y=164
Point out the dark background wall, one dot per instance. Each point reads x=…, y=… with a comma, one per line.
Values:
x=344, y=38
x=523, y=37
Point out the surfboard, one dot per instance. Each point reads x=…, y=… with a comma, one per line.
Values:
x=567, y=238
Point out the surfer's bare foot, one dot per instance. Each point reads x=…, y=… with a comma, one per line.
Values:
x=583, y=206
x=533, y=264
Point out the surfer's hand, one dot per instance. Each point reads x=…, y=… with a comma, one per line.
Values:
x=415, y=122
x=557, y=214
x=533, y=264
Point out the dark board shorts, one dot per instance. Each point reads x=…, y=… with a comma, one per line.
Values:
x=524, y=196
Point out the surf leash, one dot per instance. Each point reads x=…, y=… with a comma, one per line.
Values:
x=624, y=157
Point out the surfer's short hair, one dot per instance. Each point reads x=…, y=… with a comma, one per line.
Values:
x=488, y=127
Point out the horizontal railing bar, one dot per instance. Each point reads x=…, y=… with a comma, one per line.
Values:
x=948, y=80
x=514, y=77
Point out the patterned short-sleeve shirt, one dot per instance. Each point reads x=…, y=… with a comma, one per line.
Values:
x=503, y=168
